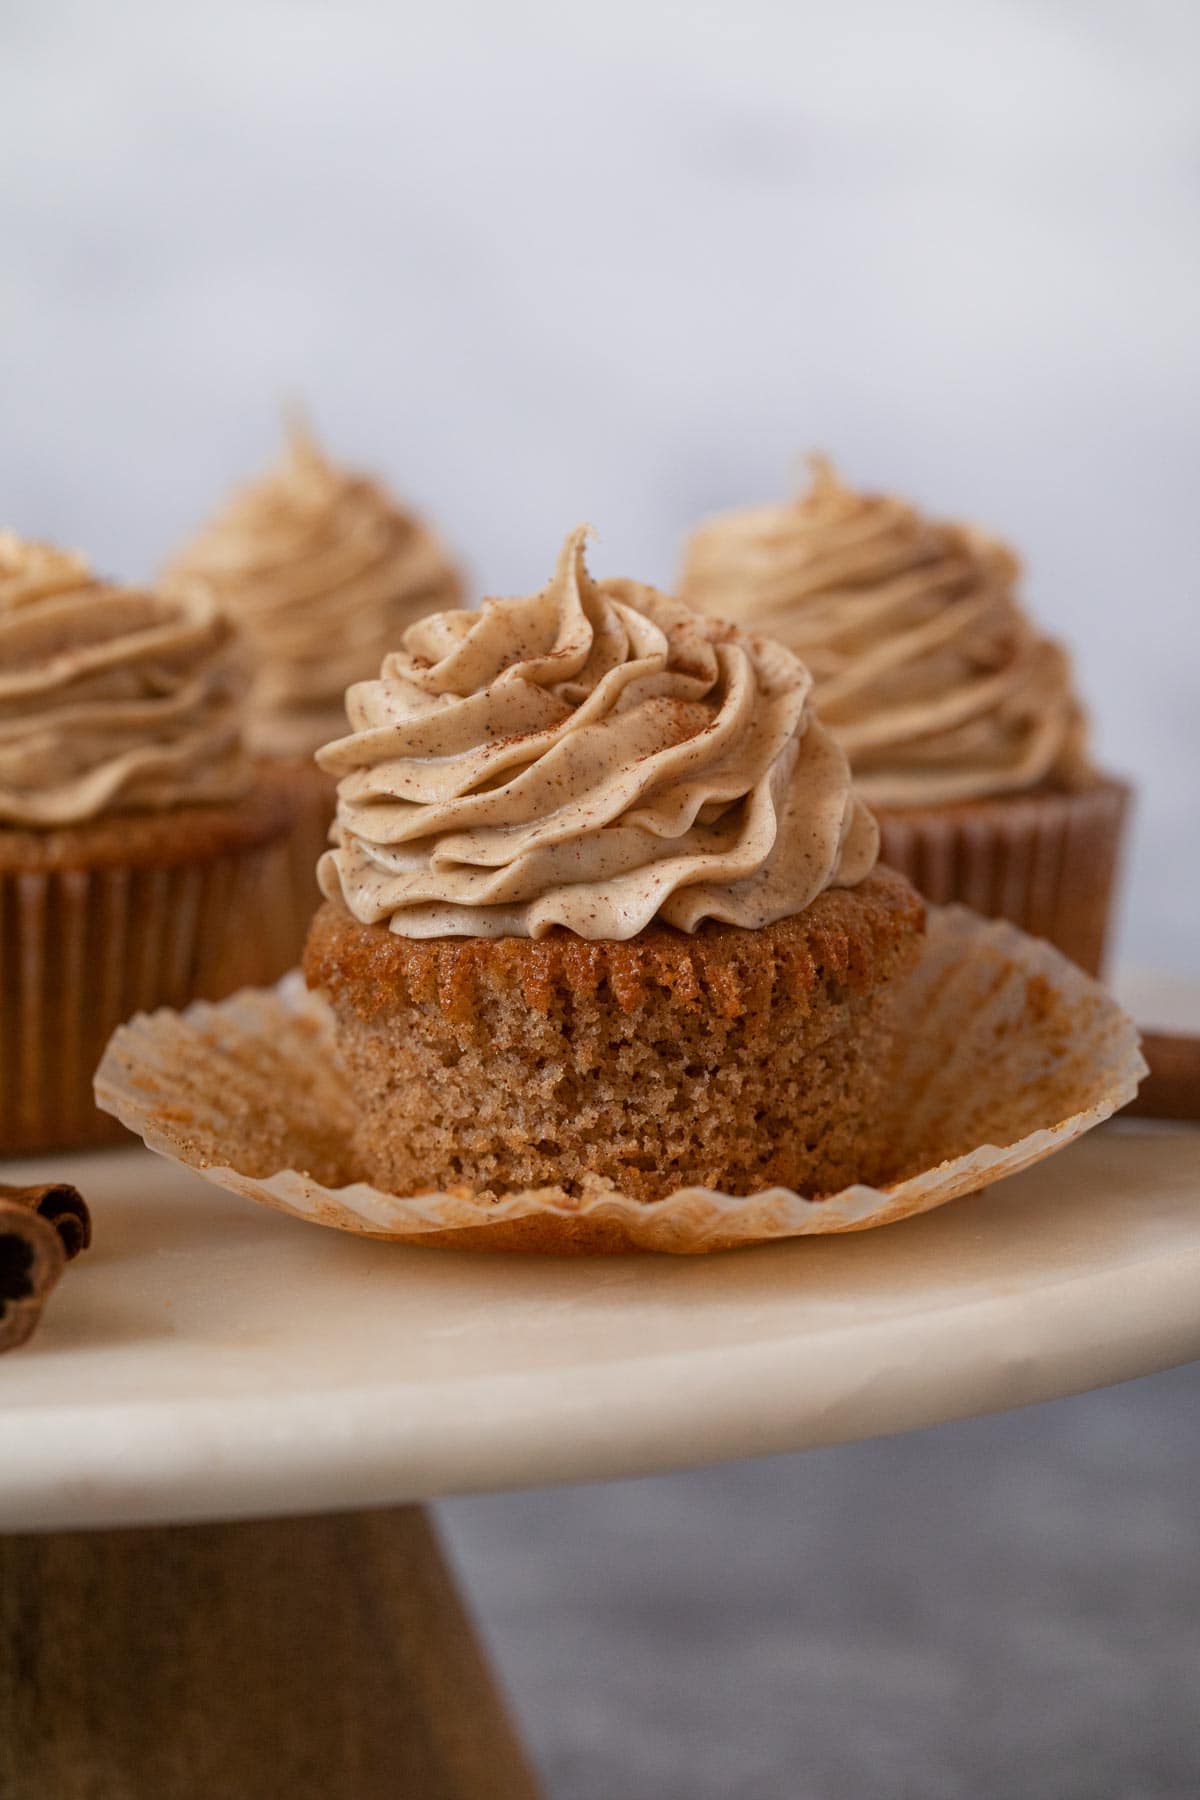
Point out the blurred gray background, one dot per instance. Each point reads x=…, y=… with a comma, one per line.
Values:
x=540, y=262
x=537, y=263
x=1007, y=1609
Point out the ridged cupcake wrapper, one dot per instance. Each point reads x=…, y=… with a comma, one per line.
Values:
x=314, y=800
x=83, y=949
x=1048, y=863
x=1007, y=1052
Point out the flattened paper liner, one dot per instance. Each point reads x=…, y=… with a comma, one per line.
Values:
x=1006, y=1053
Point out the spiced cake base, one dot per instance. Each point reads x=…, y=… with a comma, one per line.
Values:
x=724, y=1058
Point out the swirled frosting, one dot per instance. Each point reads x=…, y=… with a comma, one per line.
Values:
x=112, y=699
x=926, y=668
x=594, y=756
x=322, y=571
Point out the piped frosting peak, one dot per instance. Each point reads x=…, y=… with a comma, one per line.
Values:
x=926, y=668
x=112, y=699
x=594, y=756
x=322, y=570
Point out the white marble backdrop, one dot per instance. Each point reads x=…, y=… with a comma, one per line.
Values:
x=540, y=262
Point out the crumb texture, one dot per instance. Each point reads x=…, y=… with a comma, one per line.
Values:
x=728, y=1058
x=172, y=836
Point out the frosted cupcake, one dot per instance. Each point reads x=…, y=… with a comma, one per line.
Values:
x=322, y=570
x=960, y=720
x=139, y=863
x=603, y=906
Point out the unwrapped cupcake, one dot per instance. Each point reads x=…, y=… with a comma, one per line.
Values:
x=140, y=863
x=322, y=570
x=603, y=907
x=960, y=720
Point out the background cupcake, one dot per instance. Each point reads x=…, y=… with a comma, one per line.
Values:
x=322, y=570
x=960, y=720
x=603, y=908
x=139, y=862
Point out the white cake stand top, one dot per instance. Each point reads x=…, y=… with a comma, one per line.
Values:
x=211, y=1359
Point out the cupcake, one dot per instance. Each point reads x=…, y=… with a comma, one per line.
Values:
x=602, y=907
x=139, y=860
x=960, y=721
x=322, y=571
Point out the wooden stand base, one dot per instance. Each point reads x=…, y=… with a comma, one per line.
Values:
x=302, y=1658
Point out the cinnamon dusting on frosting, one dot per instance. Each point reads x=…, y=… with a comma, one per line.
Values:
x=926, y=668
x=112, y=699
x=593, y=756
x=323, y=571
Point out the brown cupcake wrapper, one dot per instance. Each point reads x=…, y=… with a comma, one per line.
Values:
x=1049, y=863
x=314, y=801
x=82, y=949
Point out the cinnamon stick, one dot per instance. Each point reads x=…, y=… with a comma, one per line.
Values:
x=62, y=1205
x=1172, y=1088
x=32, y=1258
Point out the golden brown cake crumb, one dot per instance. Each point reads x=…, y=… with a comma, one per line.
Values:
x=731, y=1058
x=181, y=834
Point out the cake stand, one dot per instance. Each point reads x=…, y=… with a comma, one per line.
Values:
x=217, y=1576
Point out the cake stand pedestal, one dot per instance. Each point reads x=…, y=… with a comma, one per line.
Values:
x=209, y=1361
x=298, y=1658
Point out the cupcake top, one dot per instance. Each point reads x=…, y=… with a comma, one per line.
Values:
x=926, y=668
x=593, y=756
x=112, y=699
x=323, y=571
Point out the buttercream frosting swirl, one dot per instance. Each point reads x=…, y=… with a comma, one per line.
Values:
x=322, y=571
x=112, y=699
x=926, y=668
x=594, y=756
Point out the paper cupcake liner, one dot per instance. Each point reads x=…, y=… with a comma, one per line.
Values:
x=1046, y=862
x=1007, y=1052
x=83, y=949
